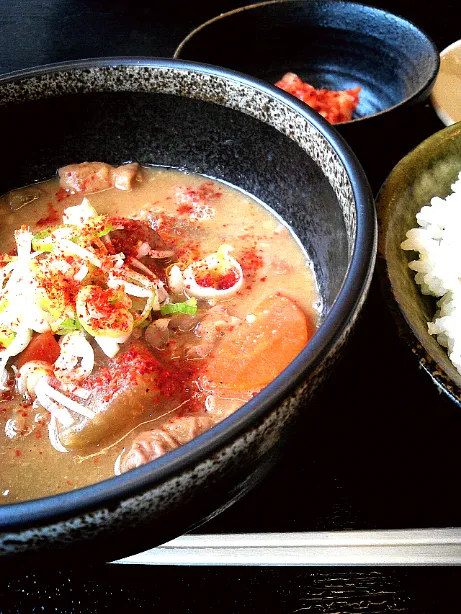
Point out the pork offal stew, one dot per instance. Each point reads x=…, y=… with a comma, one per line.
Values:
x=138, y=308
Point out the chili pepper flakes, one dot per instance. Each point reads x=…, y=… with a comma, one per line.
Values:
x=219, y=282
x=53, y=217
x=251, y=260
x=124, y=372
x=7, y=395
x=186, y=197
x=61, y=194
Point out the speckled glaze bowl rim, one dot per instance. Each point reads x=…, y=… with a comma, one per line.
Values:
x=356, y=284
x=423, y=91
x=422, y=356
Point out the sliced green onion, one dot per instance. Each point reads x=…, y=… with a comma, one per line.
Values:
x=52, y=307
x=41, y=241
x=6, y=337
x=118, y=323
x=140, y=315
x=42, y=247
x=3, y=304
x=99, y=226
x=144, y=323
x=189, y=307
x=38, y=241
x=43, y=233
x=66, y=326
x=105, y=231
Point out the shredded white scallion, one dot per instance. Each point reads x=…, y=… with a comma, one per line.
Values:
x=30, y=373
x=85, y=254
x=53, y=435
x=76, y=358
x=175, y=279
x=111, y=345
x=23, y=238
x=44, y=387
x=79, y=214
x=82, y=273
x=61, y=413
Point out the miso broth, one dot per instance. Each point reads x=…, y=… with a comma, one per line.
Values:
x=139, y=306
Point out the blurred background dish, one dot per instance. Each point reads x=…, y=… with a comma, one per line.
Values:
x=446, y=94
x=336, y=45
x=329, y=44
x=427, y=171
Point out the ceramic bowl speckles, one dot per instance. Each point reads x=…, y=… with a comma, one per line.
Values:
x=427, y=171
x=226, y=125
x=329, y=44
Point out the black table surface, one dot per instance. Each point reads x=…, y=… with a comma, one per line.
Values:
x=377, y=450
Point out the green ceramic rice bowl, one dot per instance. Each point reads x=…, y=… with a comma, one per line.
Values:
x=427, y=171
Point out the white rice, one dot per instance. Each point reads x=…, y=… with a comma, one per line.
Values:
x=438, y=269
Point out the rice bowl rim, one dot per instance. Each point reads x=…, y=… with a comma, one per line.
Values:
x=395, y=187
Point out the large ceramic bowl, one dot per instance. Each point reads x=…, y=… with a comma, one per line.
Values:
x=427, y=171
x=226, y=125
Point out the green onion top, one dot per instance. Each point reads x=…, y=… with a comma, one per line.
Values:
x=189, y=307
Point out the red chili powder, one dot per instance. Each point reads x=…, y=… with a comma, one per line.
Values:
x=53, y=217
x=61, y=194
x=250, y=260
x=221, y=282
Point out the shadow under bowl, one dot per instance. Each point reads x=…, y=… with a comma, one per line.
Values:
x=427, y=171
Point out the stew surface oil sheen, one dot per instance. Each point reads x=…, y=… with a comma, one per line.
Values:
x=139, y=306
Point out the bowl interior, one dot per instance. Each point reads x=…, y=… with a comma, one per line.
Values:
x=427, y=171
x=206, y=120
x=195, y=135
x=336, y=45
x=202, y=120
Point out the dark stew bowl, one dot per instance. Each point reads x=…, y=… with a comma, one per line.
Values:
x=229, y=126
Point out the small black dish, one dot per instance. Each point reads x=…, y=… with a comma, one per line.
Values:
x=330, y=44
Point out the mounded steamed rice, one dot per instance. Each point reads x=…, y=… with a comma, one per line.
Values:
x=438, y=269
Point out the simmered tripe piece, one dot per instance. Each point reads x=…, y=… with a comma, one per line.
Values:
x=138, y=308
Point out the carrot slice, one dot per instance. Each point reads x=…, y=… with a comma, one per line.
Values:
x=258, y=349
x=42, y=346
